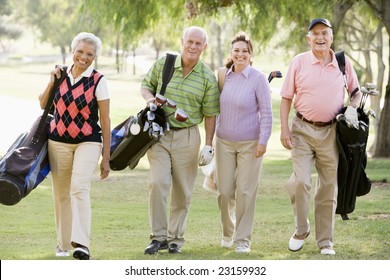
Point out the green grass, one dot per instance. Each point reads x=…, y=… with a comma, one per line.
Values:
x=120, y=223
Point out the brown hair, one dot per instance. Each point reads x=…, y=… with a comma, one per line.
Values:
x=240, y=37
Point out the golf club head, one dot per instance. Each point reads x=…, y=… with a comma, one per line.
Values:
x=370, y=86
x=161, y=99
x=374, y=92
x=146, y=126
x=371, y=113
x=171, y=103
x=274, y=74
x=155, y=126
x=364, y=90
x=180, y=115
x=152, y=107
x=150, y=116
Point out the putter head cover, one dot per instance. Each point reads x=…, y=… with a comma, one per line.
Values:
x=351, y=117
x=206, y=155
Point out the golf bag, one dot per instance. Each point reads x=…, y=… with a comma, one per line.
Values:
x=351, y=176
x=26, y=164
x=128, y=147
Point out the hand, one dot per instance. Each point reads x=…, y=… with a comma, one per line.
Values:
x=104, y=168
x=260, y=150
x=285, y=139
x=206, y=155
x=351, y=117
x=56, y=73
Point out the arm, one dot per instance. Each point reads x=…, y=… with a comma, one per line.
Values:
x=206, y=154
x=43, y=97
x=209, y=125
x=285, y=133
x=105, y=122
x=264, y=101
x=221, y=78
x=147, y=95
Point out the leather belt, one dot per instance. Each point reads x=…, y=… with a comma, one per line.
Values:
x=319, y=124
x=179, y=128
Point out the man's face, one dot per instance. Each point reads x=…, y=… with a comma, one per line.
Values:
x=193, y=45
x=320, y=38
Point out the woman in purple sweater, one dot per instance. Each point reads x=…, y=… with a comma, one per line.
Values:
x=243, y=130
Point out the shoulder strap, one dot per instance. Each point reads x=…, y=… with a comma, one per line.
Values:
x=340, y=56
x=49, y=104
x=169, y=68
x=341, y=61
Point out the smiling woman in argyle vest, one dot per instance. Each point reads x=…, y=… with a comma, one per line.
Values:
x=76, y=111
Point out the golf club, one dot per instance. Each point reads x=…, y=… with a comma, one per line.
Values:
x=274, y=74
x=368, y=89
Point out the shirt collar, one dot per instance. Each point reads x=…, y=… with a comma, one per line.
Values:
x=244, y=72
x=197, y=67
x=315, y=60
x=86, y=73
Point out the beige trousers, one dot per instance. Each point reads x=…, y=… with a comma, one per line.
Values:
x=72, y=166
x=314, y=146
x=173, y=170
x=238, y=175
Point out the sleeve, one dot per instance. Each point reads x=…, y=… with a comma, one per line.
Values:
x=102, y=91
x=288, y=88
x=151, y=79
x=264, y=102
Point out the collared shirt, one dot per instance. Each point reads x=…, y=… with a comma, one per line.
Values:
x=318, y=89
x=246, y=107
x=101, y=92
x=197, y=93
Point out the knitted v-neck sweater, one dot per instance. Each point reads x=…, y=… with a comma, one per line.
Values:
x=76, y=111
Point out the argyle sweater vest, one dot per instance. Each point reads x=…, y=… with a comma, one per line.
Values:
x=76, y=111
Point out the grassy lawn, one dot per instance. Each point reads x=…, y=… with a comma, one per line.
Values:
x=120, y=224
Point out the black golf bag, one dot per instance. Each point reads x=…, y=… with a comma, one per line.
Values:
x=128, y=147
x=352, y=178
x=24, y=166
x=26, y=163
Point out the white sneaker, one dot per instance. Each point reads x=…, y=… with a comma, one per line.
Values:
x=328, y=251
x=226, y=244
x=243, y=249
x=60, y=253
x=295, y=245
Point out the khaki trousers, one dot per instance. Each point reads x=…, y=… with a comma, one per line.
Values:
x=238, y=175
x=314, y=146
x=173, y=170
x=72, y=166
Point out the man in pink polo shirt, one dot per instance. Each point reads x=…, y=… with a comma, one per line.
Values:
x=316, y=84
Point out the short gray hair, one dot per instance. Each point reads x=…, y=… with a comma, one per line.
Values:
x=88, y=38
x=197, y=28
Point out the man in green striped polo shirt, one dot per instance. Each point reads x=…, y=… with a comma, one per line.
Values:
x=174, y=159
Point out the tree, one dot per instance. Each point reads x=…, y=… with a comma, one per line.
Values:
x=381, y=9
x=7, y=31
x=362, y=36
x=131, y=19
x=56, y=24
